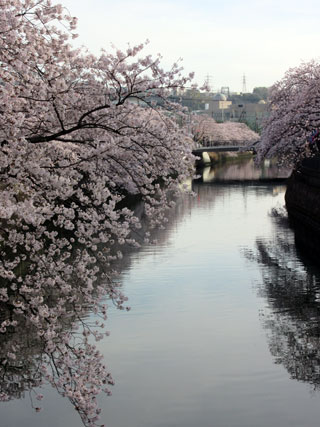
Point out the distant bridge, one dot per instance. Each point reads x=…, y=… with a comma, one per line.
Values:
x=203, y=157
x=223, y=148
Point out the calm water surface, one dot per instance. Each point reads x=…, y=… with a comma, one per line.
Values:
x=224, y=324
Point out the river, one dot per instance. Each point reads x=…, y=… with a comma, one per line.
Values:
x=224, y=326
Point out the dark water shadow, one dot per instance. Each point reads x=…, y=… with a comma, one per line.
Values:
x=290, y=285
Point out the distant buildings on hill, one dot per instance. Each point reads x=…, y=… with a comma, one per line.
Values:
x=250, y=108
x=222, y=109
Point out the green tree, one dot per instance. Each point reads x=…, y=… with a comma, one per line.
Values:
x=262, y=92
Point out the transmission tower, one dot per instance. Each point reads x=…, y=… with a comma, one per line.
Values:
x=244, y=84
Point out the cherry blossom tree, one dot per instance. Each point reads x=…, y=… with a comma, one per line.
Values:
x=294, y=115
x=81, y=139
x=208, y=132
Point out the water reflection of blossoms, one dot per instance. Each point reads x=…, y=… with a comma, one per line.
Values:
x=45, y=337
x=292, y=290
x=52, y=314
x=242, y=169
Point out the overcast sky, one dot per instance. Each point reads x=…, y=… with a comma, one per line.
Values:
x=227, y=39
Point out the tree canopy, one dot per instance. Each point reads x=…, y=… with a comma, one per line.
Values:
x=208, y=132
x=262, y=92
x=79, y=136
x=294, y=115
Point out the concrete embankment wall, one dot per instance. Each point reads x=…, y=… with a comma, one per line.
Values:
x=303, y=204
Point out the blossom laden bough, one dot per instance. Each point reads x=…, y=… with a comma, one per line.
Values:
x=294, y=115
x=79, y=136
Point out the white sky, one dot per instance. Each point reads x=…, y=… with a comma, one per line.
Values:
x=225, y=39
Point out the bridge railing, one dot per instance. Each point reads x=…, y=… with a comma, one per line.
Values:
x=232, y=146
x=226, y=143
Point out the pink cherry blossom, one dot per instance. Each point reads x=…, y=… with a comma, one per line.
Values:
x=294, y=115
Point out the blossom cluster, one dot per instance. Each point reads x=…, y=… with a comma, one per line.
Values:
x=294, y=115
x=210, y=133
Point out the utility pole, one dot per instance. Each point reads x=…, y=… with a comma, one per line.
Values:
x=244, y=84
